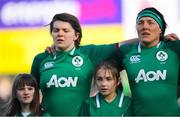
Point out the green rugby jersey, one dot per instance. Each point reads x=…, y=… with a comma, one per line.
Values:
x=153, y=75
x=98, y=106
x=65, y=79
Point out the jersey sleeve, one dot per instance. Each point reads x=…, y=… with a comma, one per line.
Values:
x=178, y=52
x=99, y=53
x=175, y=46
x=84, y=109
x=36, y=64
x=179, y=81
x=35, y=70
x=117, y=59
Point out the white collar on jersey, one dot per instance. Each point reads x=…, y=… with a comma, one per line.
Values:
x=139, y=46
x=71, y=53
x=120, y=100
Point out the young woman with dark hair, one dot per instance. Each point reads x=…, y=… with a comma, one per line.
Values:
x=25, y=98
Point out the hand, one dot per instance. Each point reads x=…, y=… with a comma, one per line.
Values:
x=51, y=50
x=171, y=37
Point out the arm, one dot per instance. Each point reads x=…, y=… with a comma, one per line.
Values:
x=171, y=37
x=51, y=49
x=35, y=69
x=38, y=59
x=128, y=41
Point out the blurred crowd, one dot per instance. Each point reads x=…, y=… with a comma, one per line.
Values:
x=5, y=91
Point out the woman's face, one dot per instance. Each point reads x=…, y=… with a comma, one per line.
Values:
x=63, y=35
x=25, y=94
x=148, y=31
x=106, y=82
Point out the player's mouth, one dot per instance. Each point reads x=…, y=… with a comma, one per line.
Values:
x=103, y=89
x=145, y=34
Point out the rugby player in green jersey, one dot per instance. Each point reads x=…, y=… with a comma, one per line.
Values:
x=25, y=98
x=110, y=101
x=65, y=77
x=152, y=66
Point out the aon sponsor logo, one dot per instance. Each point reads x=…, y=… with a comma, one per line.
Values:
x=150, y=75
x=62, y=81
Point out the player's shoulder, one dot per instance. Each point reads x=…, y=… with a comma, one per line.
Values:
x=127, y=98
x=127, y=101
x=93, y=98
x=41, y=56
x=93, y=46
x=90, y=100
x=85, y=48
x=128, y=47
x=173, y=45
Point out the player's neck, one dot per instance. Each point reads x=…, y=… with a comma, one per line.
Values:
x=109, y=98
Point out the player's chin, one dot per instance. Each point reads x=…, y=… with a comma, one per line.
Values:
x=146, y=38
x=104, y=92
x=59, y=45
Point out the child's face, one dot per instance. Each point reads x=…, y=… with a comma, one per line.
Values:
x=105, y=82
x=25, y=94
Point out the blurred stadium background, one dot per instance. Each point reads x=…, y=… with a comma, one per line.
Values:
x=23, y=30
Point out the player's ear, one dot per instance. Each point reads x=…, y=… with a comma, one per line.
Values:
x=77, y=35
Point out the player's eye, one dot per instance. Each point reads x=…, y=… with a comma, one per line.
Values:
x=55, y=30
x=99, y=78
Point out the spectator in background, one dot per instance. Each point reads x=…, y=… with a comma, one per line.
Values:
x=5, y=93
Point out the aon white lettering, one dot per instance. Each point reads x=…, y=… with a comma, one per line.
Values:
x=62, y=81
x=150, y=75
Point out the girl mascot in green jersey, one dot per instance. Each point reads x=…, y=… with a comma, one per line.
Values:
x=110, y=100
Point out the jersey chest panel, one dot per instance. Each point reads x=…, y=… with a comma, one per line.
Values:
x=61, y=71
x=63, y=79
x=150, y=68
